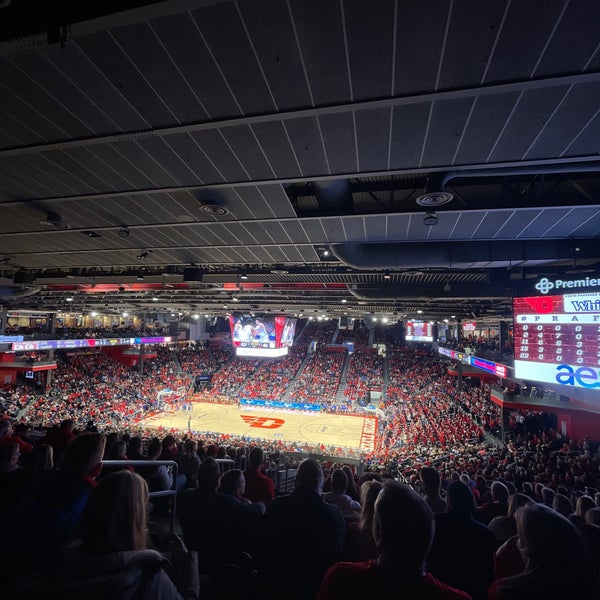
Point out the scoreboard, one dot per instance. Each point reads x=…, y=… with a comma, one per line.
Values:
x=419, y=331
x=557, y=339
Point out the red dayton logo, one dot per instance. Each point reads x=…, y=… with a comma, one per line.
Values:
x=263, y=422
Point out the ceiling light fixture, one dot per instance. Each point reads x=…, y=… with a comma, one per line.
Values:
x=387, y=275
x=430, y=219
x=144, y=254
x=216, y=210
x=54, y=221
x=433, y=194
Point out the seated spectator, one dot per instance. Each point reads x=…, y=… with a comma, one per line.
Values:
x=498, y=507
x=562, y=505
x=547, y=496
x=169, y=448
x=134, y=449
x=300, y=529
x=584, y=503
x=118, y=451
x=189, y=463
x=46, y=520
x=403, y=531
x=233, y=485
x=216, y=525
x=7, y=436
x=352, y=489
x=60, y=438
x=111, y=559
x=259, y=488
x=338, y=497
x=360, y=545
x=16, y=484
x=431, y=485
x=504, y=528
x=557, y=563
x=462, y=553
x=592, y=516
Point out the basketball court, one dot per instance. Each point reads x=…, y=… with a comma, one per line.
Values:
x=288, y=426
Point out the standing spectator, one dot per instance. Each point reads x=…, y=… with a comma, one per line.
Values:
x=301, y=529
x=462, y=553
x=259, y=488
x=403, y=531
x=557, y=563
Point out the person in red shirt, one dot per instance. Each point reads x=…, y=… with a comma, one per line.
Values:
x=403, y=532
x=259, y=488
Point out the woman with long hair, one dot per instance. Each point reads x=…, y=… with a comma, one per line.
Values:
x=360, y=545
x=111, y=558
x=557, y=563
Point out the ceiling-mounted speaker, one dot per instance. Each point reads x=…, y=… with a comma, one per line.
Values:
x=192, y=274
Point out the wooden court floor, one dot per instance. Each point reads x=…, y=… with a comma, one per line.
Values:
x=289, y=426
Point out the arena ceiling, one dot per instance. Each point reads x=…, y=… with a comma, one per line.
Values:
x=269, y=155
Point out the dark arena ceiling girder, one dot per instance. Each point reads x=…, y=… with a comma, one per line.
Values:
x=197, y=151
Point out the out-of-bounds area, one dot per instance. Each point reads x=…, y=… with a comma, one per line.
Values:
x=287, y=426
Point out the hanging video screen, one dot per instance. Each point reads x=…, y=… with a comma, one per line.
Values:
x=419, y=331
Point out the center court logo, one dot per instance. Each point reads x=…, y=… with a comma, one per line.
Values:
x=263, y=422
x=544, y=285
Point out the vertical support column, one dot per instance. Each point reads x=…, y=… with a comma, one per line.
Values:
x=49, y=371
x=52, y=323
x=505, y=422
x=3, y=319
x=141, y=360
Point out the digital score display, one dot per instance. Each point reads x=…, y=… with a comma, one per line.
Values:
x=480, y=363
x=557, y=339
x=85, y=343
x=419, y=331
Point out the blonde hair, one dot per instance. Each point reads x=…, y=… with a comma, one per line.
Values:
x=114, y=518
x=369, y=491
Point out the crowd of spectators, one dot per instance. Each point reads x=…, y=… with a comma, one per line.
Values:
x=365, y=373
x=319, y=332
x=485, y=522
x=487, y=529
x=271, y=379
x=359, y=334
x=66, y=332
x=94, y=387
x=320, y=378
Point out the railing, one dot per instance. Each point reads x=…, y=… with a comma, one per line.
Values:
x=172, y=491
